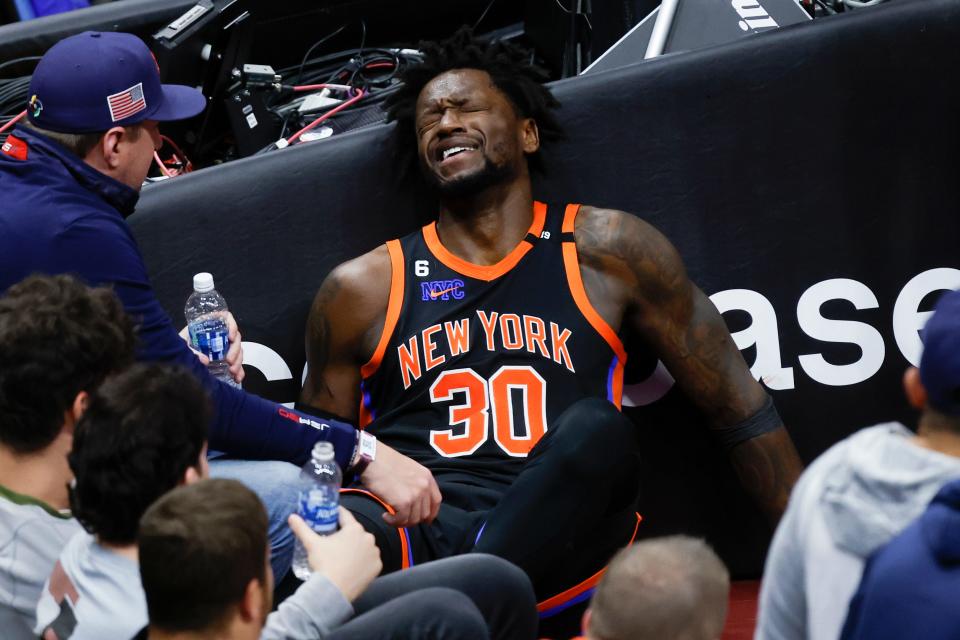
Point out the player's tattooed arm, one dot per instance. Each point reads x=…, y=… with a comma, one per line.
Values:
x=637, y=274
x=343, y=328
x=347, y=314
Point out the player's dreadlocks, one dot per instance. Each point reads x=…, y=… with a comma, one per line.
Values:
x=509, y=67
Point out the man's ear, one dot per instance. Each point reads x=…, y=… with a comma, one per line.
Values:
x=914, y=389
x=199, y=471
x=530, y=136
x=191, y=475
x=108, y=149
x=76, y=410
x=585, y=622
x=251, y=607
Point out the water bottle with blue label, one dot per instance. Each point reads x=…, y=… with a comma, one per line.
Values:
x=318, y=501
x=206, y=313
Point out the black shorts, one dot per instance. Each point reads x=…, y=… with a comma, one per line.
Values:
x=568, y=511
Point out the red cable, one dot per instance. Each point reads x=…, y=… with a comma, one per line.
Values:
x=178, y=154
x=380, y=65
x=163, y=168
x=332, y=112
x=313, y=87
x=13, y=121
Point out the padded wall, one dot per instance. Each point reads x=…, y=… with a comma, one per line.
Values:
x=808, y=176
x=34, y=37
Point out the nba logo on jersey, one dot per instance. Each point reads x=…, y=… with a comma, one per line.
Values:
x=442, y=290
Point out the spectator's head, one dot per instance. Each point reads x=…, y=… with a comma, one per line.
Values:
x=934, y=388
x=99, y=95
x=674, y=587
x=215, y=533
x=144, y=433
x=59, y=339
x=486, y=96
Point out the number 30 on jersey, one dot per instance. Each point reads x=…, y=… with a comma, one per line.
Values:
x=488, y=407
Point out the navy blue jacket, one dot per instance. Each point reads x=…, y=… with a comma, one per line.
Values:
x=60, y=215
x=910, y=587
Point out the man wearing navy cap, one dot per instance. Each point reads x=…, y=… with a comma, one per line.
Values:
x=861, y=493
x=106, y=87
x=70, y=176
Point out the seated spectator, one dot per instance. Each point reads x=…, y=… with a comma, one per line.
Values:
x=860, y=493
x=214, y=533
x=72, y=172
x=909, y=588
x=674, y=587
x=58, y=341
x=144, y=432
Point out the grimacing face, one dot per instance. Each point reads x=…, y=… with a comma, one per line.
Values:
x=469, y=135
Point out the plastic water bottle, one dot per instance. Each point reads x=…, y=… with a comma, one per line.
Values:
x=206, y=313
x=318, y=501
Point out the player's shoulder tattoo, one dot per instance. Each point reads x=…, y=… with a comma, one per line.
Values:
x=623, y=244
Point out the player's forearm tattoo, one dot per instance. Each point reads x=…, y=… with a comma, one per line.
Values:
x=768, y=467
x=716, y=376
x=318, y=334
x=691, y=337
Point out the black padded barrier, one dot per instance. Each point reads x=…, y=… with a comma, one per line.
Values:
x=142, y=17
x=808, y=176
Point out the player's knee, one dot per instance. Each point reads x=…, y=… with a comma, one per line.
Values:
x=451, y=615
x=512, y=582
x=387, y=538
x=591, y=435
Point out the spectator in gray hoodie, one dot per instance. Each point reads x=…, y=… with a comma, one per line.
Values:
x=859, y=494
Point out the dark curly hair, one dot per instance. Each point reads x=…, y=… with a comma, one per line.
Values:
x=58, y=337
x=508, y=65
x=140, y=433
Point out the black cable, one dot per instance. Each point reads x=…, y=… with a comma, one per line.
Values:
x=363, y=36
x=826, y=8
x=380, y=95
x=394, y=60
x=363, y=41
x=334, y=69
x=336, y=57
x=306, y=56
x=572, y=12
x=286, y=123
x=358, y=61
x=482, y=15
x=18, y=60
x=320, y=59
x=13, y=95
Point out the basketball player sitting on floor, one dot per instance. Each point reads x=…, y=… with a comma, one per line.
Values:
x=485, y=346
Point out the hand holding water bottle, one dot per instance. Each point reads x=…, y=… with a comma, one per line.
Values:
x=348, y=558
x=234, y=356
x=213, y=331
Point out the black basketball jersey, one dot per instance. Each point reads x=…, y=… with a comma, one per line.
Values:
x=476, y=361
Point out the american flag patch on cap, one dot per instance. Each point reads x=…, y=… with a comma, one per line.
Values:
x=126, y=103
